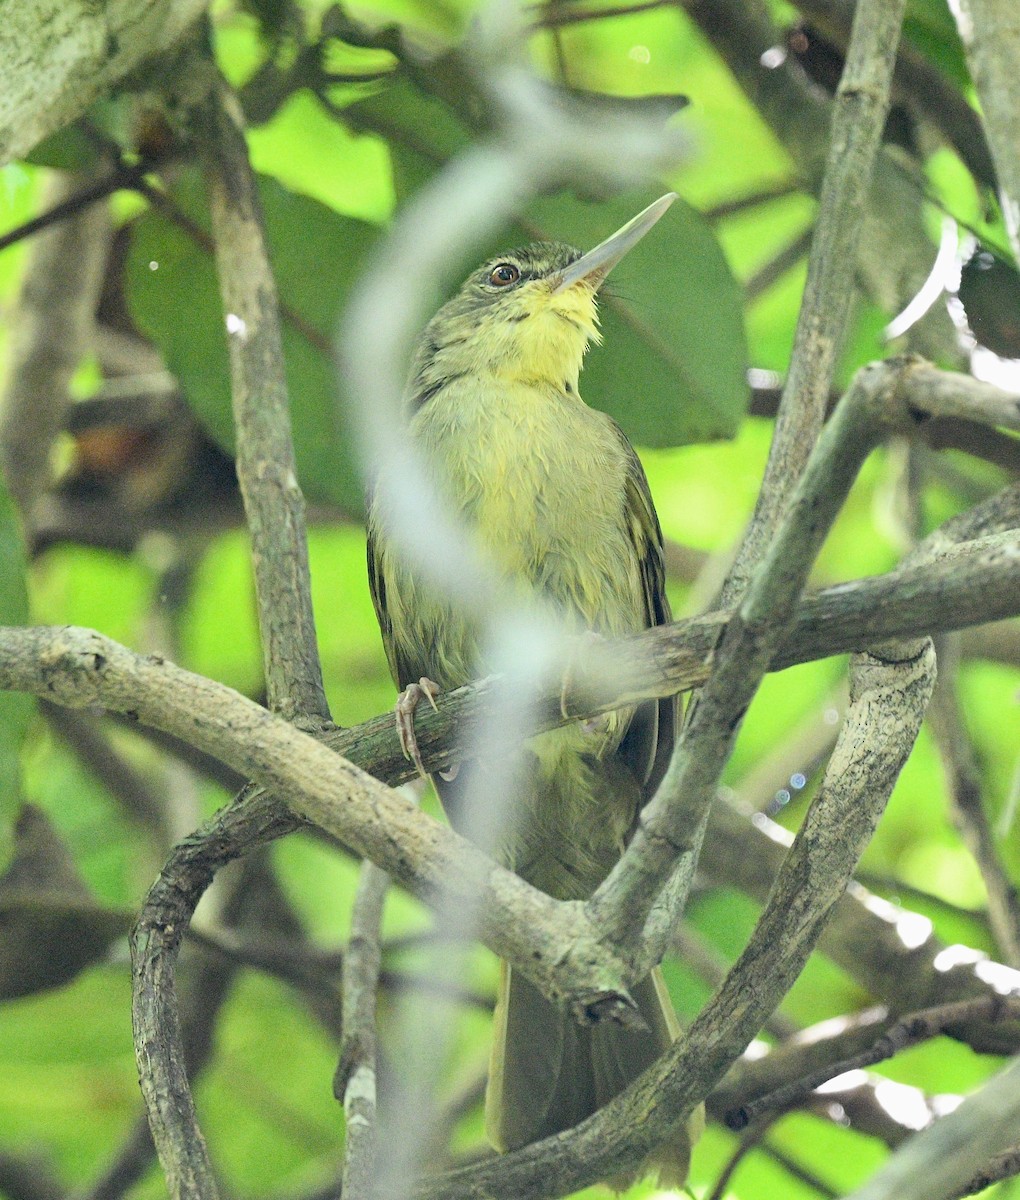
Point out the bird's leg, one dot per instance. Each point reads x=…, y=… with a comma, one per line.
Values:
x=407, y=703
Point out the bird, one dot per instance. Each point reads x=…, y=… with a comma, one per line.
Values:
x=556, y=500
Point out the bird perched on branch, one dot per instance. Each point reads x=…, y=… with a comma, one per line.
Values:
x=559, y=505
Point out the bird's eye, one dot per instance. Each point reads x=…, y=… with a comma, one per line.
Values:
x=504, y=274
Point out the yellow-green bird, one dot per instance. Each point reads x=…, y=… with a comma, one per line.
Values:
x=559, y=504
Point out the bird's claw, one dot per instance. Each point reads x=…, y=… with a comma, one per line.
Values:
x=407, y=703
x=585, y=642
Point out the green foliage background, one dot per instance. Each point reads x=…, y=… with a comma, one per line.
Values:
x=67, y=1080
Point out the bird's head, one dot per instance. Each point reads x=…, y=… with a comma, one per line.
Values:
x=526, y=315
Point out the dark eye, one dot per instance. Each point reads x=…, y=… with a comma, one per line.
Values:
x=504, y=274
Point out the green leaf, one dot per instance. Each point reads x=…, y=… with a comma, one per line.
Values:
x=68, y=149
x=53, y=928
x=422, y=132
x=173, y=296
x=15, y=709
x=673, y=369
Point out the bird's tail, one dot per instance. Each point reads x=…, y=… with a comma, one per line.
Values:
x=547, y=1072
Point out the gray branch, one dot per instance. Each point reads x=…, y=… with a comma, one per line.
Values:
x=671, y=828
x=356, y=1075
x=60, y=55
x=858, y=117
x=881, y=1044
x=990, y=31
x=813, y=876
x=51, y=332
x=266, y=469
x=79, y=668
x=895, y=253
x=770, y=1068
x=942, y=1160
x=963, y=780
x=890, y=952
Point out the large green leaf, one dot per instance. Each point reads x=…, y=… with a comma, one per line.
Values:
x=53, y=927
x=15, y=709
x=173, y=296
x=421, y=131
x=673, y=369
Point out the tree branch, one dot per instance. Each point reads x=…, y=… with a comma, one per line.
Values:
x=266, y=469
x=61, y=55
x=919, y=82
x=200, y=711
x=853, y=1098
x=51, y=332
x=990, y=32
x=668, y=837
x=355, y=1082
x=858, y=118
x=79, y=668
x=943, y=1159
x=889, y=951
x=813, y=876
x=968, y=807
x=894, y=1039
x=895, y=255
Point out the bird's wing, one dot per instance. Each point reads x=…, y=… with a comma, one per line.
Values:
x=377, y=586
x=648, y=744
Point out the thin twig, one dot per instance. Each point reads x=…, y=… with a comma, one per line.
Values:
x=861, y=1098
x=878, y=881
x=749, y=1141
x=989, y=31
x=266, y=468
x=798, y=1170
x=906, y=1032
x=558, y=14
x=754, y=199
x=51, y=333
x=124, y=176
x=942, y=1160
x=355, y=1082
x=858, y=118
x=887, y=950
x=788, y=256
x=968, y=807
x=125, y=783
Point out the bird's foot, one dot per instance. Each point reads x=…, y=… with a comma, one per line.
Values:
x=407, y=703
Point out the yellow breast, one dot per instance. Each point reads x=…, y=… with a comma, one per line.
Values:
x=541, y=478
